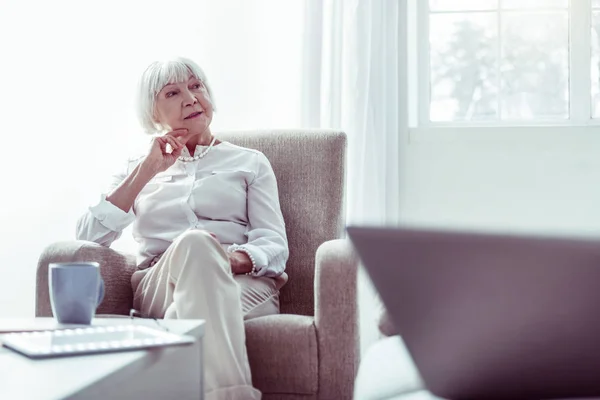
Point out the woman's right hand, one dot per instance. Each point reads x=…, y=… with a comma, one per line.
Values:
x=158, y=159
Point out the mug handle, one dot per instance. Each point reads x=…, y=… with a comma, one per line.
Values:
x=100, y=292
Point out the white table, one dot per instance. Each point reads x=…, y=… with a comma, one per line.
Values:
x=160, y=373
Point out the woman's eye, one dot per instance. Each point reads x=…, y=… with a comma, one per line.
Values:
x=196, y=86
x=171, y=94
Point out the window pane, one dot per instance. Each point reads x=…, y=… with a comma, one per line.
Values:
x=596, y=3
x=462, y=5
x=595, y=64
x=464, y=83
x=535, y=65
x=535, y=3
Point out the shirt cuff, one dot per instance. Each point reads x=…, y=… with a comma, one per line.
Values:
x=258, y=257
x=111, y=216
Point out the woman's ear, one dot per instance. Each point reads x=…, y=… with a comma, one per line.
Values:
x=156, y=120
x=157, y=124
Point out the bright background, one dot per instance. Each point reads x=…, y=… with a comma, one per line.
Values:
x=68, y=68
x=67, y=72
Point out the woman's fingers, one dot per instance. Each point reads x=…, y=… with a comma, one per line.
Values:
x=178, y=133
x=168, y=144
x=175, y=144
x=161, y=143
x=156, y=142
x=177, y=152
x=182, y=135
x=168, y=147
x=176, y=147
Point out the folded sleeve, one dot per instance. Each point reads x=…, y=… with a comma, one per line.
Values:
x=104, y=222
x=267, y=243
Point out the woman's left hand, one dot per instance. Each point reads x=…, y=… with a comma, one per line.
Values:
x=240, y=262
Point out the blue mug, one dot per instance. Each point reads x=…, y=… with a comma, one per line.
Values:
x=76, y=291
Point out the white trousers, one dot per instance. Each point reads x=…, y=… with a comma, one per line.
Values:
x=193, y=280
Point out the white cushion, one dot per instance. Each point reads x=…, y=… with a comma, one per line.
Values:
x=386, y=371
x=419, y=395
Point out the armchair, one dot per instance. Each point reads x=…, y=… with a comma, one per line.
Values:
x=310, y=350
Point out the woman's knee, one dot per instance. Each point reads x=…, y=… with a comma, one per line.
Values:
x=194, y=238
x=202, y=249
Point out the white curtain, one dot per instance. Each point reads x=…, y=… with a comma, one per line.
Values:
x=355, y=80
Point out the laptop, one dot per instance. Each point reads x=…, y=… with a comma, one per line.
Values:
x=491, y=316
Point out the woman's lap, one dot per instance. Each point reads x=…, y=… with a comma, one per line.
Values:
x=259, y=295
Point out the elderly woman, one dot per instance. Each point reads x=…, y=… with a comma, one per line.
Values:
x=206, y=215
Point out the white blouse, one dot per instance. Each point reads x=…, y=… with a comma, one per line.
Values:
x=231, y=192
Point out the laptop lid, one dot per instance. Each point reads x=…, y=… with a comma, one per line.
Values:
x=491, y=315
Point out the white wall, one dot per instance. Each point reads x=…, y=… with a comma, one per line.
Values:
x=68, y=70
x=521, y=179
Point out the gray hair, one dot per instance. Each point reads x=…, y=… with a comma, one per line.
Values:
x=157, y=76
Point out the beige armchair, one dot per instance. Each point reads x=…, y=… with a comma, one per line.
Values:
x=310, y=350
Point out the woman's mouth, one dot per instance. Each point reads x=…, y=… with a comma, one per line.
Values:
x=194, y=115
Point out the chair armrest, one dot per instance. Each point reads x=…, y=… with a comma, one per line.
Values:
x=116, y=269
x=336, y=318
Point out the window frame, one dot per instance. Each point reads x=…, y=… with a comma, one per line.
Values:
x=580, y=84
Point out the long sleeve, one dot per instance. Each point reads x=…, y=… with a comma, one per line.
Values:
x=104, y=222
x=267, y=240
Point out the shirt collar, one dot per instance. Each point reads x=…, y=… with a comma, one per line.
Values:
x=186, y=153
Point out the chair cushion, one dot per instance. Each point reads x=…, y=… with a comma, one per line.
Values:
x=282, y=350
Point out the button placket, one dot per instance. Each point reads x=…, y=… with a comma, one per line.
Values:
x=191, y=168
x=187, y=203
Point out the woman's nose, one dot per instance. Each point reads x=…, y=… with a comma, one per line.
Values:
x=189, y=98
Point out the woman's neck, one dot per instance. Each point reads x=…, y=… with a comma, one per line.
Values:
x=202, y=139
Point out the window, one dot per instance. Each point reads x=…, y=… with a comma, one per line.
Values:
x=595, y=70
x=497, y=62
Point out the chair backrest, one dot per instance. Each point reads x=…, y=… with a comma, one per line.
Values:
x=310, y=169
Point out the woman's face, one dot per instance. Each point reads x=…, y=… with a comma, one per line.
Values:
x=184, y=105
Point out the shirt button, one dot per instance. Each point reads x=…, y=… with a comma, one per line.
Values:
x=101, y=216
